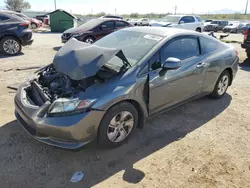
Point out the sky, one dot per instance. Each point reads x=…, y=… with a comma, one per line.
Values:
x=139, y=6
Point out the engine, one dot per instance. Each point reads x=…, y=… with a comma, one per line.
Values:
x=56, y=85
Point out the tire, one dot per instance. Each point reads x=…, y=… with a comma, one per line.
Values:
x=10, y=41
x=198, y=30
x=33, y=26
x=215, y=29
x=89, y=39
x=218, y=93
x=107, y=132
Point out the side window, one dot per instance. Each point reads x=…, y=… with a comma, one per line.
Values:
x=120, y=24
x=198, y=18
x=181, y=48
x=187, y=19
x=108, y=25
x=209, y=45
x=3, y=18
x=155, y=62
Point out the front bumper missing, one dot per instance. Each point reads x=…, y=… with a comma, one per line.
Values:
x=68, y=132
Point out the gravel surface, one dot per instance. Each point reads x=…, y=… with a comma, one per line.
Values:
x=204, y=143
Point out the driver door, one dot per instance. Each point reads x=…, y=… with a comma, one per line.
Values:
x=176, y=86
x=105, y=29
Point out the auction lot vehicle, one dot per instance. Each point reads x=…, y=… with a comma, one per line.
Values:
x=232, y=28
x=34, y=23
x=142, y=22
x=107, y=89
x=216, y=26
x=246, y=42
x=94, y=29
x=14, y=33
x=188, y=22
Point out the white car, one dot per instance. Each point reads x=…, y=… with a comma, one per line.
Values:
x=181, y=21
x=142, y=22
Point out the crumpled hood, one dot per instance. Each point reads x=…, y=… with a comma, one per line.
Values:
x=160, y=24
x=80, y=60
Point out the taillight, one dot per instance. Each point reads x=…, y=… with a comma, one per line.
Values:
x=236, y=51
x=245, y=35
x=25, y=24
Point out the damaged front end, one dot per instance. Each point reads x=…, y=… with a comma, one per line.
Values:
x=76, y=67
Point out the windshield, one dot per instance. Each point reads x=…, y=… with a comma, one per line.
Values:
x=134, y=45
x=91, y=23
x=172, y=19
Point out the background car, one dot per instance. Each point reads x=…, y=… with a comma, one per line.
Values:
x=108, y=89
x=142, y=22
x=180, y=21
x=207, y=22
x=246, y=42
x=34, y=23
x=113, y=16
x=244, y=27
x=216, y=25
x=132, y=21
x=14, y=33
x=232, y=27
x=95, y=29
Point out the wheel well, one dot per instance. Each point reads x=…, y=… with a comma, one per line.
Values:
x=231, y=75
x=9, y=35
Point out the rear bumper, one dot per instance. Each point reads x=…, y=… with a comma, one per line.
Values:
x=26, y=38
x=68, y=132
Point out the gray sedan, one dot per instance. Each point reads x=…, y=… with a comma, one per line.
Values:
x=107, y=89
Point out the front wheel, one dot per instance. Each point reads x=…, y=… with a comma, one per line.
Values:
x=10, y=46
x=89, y=40
x=221, y=85
x=117, y=125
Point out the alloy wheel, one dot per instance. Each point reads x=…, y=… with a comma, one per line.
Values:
x=120, y=126
x=223, y=84
x=11, y=46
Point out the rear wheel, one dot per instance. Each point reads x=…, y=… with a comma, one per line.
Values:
x=10, y=45
x=221, y=85
x=117, y=125
x=33, y=26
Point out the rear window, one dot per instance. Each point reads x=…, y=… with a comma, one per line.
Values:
x=120, y=24
x=198, y=18
x=209, y=45
x=3, y=18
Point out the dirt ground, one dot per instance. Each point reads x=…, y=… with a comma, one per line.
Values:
x=204, y=143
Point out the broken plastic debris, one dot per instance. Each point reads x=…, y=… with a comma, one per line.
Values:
x=76, y=177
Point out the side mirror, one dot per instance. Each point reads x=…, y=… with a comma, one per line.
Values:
x=181, y=22
x=103, y=27
x=172, y=63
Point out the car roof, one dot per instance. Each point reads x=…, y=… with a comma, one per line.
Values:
x=161, y=31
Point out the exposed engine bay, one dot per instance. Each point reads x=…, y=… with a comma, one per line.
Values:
x=49, y=85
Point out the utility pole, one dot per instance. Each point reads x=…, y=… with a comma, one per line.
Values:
x=55, y=4
x=175, y=9
x=246, y=7
x=115, y=11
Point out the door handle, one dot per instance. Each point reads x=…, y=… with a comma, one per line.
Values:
x=199, y=65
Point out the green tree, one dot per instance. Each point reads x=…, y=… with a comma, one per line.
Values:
x=17, y=5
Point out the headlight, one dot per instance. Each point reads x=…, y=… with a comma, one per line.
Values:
x=76, y=35
x=64, y=105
